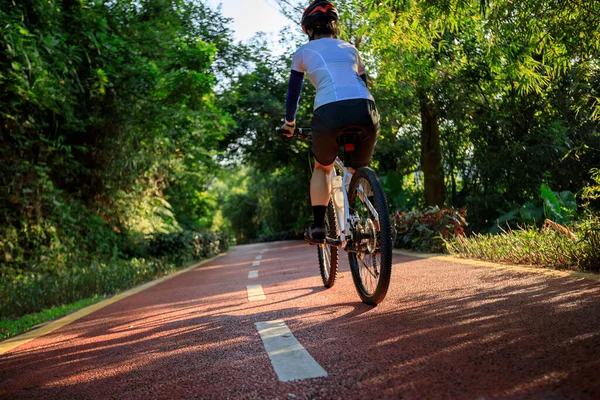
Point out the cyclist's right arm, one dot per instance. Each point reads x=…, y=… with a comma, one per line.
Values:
x=362, y=70
x=293, y=95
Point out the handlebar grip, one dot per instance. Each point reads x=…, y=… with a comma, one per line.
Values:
x=300, y=133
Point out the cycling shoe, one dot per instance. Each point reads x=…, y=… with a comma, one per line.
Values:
x=315, y=234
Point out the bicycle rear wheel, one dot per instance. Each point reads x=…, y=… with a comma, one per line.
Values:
x=328, y=254
x=370, y=253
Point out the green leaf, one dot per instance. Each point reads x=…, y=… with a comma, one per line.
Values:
x=509, y=216
x=531, y=213
x=567, y=202
x=551, y=205
x=394, y=182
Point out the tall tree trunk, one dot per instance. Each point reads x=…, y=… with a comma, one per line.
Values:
x=431, y=155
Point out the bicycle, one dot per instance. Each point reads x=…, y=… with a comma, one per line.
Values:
x=357, y=220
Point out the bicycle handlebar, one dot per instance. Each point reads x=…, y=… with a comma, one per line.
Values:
x=299, y=133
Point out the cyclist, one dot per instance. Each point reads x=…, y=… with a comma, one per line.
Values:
x=335, y=68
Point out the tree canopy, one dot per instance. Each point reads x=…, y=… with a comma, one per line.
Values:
x=141, y=117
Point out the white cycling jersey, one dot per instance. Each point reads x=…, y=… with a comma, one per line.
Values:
x=333, y=67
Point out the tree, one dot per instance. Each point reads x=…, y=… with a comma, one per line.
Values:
x=107, y=110
x=276, y=196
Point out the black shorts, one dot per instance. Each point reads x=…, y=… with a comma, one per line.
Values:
x=330, y=120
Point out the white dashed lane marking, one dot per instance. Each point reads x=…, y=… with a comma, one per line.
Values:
x=256, y=263
x=258, y=257
x=252, y=274
x=255, y=292
x=290, y=360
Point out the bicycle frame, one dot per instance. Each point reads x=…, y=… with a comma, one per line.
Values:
x=343, y=224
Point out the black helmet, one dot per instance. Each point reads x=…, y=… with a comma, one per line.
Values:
x=318, y=12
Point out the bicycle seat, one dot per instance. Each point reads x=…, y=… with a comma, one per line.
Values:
x=349, y=137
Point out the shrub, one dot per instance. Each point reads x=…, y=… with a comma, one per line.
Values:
x=187, y=245
x=70, y=275
x=429, y=229
x=545, y=247
x=589, y=235
x=30, y=292
x=292, y=234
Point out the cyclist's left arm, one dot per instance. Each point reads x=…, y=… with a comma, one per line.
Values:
x=294, y=90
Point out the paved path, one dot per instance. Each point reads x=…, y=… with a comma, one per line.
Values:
x=446, y=330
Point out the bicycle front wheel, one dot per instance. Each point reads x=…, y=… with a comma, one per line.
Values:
x=328, y=254
x=370, y=252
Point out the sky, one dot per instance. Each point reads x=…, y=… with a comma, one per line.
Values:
x=252, y=16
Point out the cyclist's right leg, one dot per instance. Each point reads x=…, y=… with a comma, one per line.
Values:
x=320, y=189
x=324, y=149
x=320, y=184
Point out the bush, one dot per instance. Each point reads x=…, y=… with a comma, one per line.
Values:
x=545, y=247
x=429, y=229
x=68, y=274
x=31, y=292
x=292, y=234
x=187, y=245
x=589, y=235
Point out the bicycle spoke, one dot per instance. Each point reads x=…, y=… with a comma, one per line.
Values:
x=328, y=253
x=370, y=262
x=370, y=270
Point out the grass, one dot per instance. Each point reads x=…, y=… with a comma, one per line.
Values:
x=14, y=327
x=532, y=246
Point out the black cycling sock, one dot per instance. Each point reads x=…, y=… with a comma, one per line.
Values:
x=319, y=214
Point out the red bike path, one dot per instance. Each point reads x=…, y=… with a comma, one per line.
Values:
x=446, y=330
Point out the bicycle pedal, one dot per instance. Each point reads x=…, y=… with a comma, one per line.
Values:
x=314, y=243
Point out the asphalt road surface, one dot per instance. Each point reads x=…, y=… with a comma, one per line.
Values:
x=258, y=324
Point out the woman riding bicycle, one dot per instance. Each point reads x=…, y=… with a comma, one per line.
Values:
x=335, y=68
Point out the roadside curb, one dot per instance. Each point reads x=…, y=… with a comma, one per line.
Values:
x=509, y=267
x=46, y=328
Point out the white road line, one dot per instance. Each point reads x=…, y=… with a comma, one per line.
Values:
x=290, y=360
x=256, y=263
x=252, y=274
x=263, y=250
x=258, y=257
x=255, y=292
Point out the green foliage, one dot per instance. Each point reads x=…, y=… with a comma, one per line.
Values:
x=532, y=246
x=530, y=213
x=399, y=197
x=263, y=204
x=558, y=207
x=291, y=234
x=109, y=126
x=12, y=327
x=80, y=275
x=270, y=194
x=122, y=106
x=429, y=229
x=112, y=132
x=187, y=245
x=591, y=193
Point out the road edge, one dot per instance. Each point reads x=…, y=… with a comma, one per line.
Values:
x=44, y=329
x=509, y=267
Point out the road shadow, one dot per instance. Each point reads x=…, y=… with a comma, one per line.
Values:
x=446, y=331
